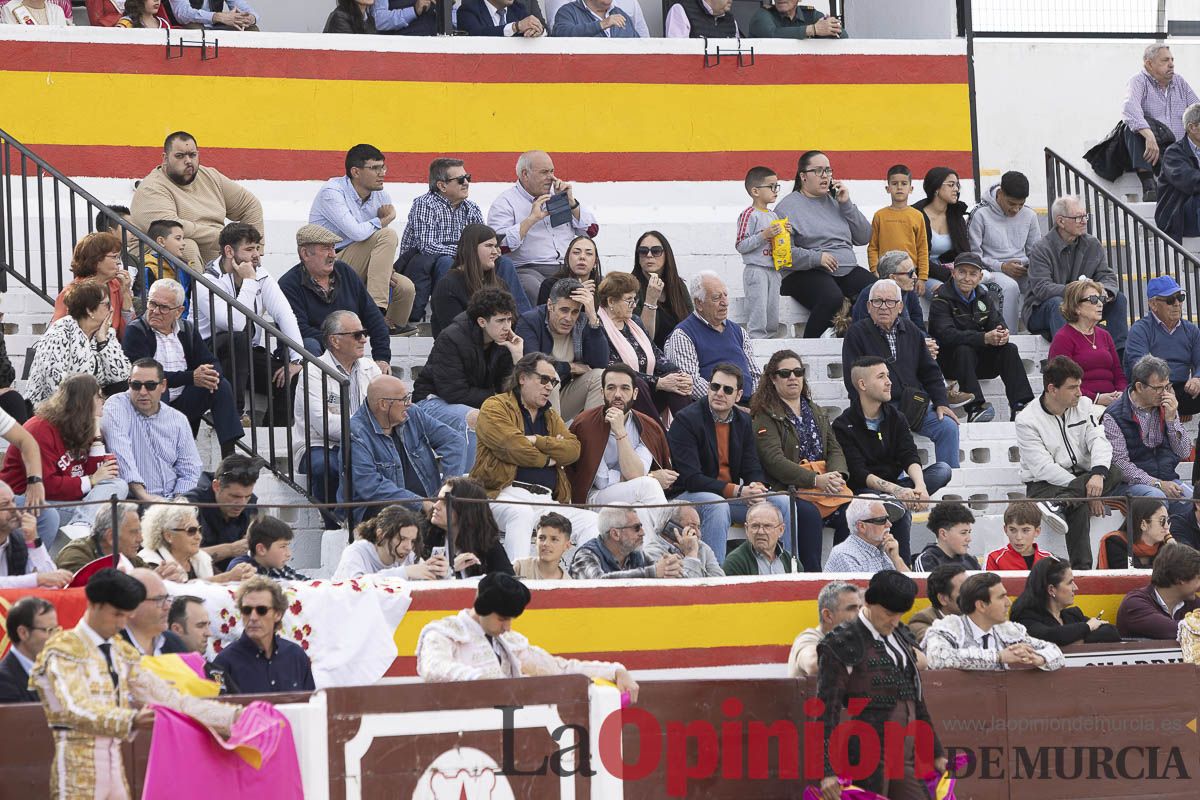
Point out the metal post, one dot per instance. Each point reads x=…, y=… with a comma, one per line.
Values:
x=970, y=29
x=116, y=525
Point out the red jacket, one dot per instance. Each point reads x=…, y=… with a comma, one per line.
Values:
x=104, y=13
x=1008, y=558
x=593, y=432
x=61, y=473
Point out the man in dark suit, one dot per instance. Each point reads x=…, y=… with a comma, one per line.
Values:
x=194, y=381
x=498, y=18
x=31, y=621
x=1178, y=210
x=147, y=627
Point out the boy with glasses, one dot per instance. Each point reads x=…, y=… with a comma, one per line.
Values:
x=900, y=227
x=757, y=228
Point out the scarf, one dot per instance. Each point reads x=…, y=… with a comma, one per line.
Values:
x=622, y=346
x=812, y=448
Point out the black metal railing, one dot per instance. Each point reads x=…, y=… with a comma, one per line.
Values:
x=1137, y=250
x=43, y=214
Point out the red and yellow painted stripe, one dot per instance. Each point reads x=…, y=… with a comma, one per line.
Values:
x=102, y=110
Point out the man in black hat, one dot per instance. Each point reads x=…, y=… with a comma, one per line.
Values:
x=479, y=643
x=874, y=659
x=88, y=679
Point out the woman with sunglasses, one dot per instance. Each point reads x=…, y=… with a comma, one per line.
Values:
x=582, y=262
x=171, y=535
x=897, y=265
x=798, y=450
x=474, y=269
x=461, y=513
x=1087, y=343
x=82, y=341
x=663, y=298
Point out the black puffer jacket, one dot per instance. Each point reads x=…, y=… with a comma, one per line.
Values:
x=460, y=370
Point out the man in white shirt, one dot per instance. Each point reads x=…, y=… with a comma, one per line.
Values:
x=317, y=425
x=520, y=218
x=24, y=562
x=239, y=271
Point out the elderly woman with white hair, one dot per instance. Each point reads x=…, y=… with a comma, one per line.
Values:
x=171, y=534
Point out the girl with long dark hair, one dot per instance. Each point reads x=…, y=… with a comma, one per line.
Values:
x=663, y=301
x=462, y=509
x=474, y=269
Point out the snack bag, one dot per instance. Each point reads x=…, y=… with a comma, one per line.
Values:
x=781, y=247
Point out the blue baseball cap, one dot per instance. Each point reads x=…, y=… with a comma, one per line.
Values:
x=1162, y=286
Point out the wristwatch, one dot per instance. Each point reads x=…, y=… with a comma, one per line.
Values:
x=1158, y=484
x=33, y=479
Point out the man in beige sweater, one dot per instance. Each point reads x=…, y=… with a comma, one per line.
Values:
x=199, y=197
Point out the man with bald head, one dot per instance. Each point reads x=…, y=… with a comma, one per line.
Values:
x=397, y=451
x=536, y=242
x=147, y=626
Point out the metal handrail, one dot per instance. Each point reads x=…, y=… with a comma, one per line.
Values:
x=40, y=282
x=1137, y=249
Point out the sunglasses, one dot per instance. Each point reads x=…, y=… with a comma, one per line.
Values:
x=877, y=520
x=149, y=386
x=784, y=374
x=1174, y=299
x=720, y=387
x=637, y=526
x=359, y=334
x=191, y=530
x=908, y=274
x=546, y=380
x=461, y=180
x=1094, y=299
x=262, y=611
x=655, y=251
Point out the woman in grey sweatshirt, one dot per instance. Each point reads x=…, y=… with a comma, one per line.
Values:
x=825, y=228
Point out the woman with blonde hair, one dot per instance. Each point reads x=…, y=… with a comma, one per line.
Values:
x=1086, y=342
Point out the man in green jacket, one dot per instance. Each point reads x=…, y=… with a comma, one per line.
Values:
x=761, y=553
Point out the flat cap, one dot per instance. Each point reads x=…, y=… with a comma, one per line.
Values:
x=315, y=234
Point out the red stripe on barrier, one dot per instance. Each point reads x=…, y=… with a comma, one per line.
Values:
x=105, y=161
x=237, y=62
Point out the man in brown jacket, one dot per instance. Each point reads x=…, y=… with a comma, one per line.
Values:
x=624, y=457
x=523, y=447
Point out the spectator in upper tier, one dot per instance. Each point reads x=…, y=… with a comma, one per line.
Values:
x=617, y=551
x=945, y=222
x=951, y=526
x=837, y=602
x=24, y=562
x=33, y=12
x=97, y=258
x=519, y=214
x=941, y=587
x=470, y=362
x=476, y=264
x=241, y=345
x=1178, y=208
x=1047, y=608
x=1086, y=342
x=199, y=197
x=973, y=342
x=208, y=14
x=317, y=429
x=230, y=506
x=663, y=299
x=80, y=342
x=144, y=14
x=167, y=234
x=11, y=401
x=78, y=553
x=270, y=542
x=594, y=18
x=712, y=447
x=1185, y=526
x=1165, y=333
x=171, y=535
x=870, y=547
x=698, y=19
x=575, y=340
x=386, y=546
x=899, y=226
x=432, y=241
x=398, y=452
x=498, y=18
x=29, y=623
x=406, y=17
x=826, y=227
x=787, y=19
x=707, y=337
x=321, y=284
x=798, y=451
x=582, y=262
x=351, y=16
x=1004, y=231
x=195, y=384
x=762, y=553
x=153, y=442
x=879, y=449
x=757, y=227
x=524, y=449
x=1147, y=436
x=1154, y=611
x=1022, y=527
x=1156, y=93
x=356, y=207
x=261, y=660
x=898, y=266
x=1064, y=453
x=461, y=523
x=911, y=369
x=1065, y=254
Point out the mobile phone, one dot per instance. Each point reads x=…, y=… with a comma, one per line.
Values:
x=671, y=531
x=833, y=188
x=437, y=551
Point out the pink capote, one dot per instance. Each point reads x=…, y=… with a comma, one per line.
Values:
x=258, y=760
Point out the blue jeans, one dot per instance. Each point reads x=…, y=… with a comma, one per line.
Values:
x=1182, y=506
x=323, y=465
x=715, y=519
x=86, y=514
x=454, y=415
x=1047, y=319
x=47, y=521
x=944, y=433
x=937, y=475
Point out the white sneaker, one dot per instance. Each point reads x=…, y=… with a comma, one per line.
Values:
x=1052, y=517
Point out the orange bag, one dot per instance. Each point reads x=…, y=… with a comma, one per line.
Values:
x=827, y=503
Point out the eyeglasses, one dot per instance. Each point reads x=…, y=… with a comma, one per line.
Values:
x=547, y=380
x=877, y=520
x=105, y=302
x=401, y=400
x=1094, y=299
x=1079, y=217
x=774, y=187
x=1173, y=299
x=784, y=374
x=156, y=306
x=762, y=527
x=359, y=334
x=190, y=530
x=822, y=171
x=262, y=611
x=379, y=169
x=52, y=630
x=149, y=386
x=160, y=600
x=1157, y=389
x=884, y=303
x=654, y=250
x=461, y=180
x=631, y=302
x=721, y=387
